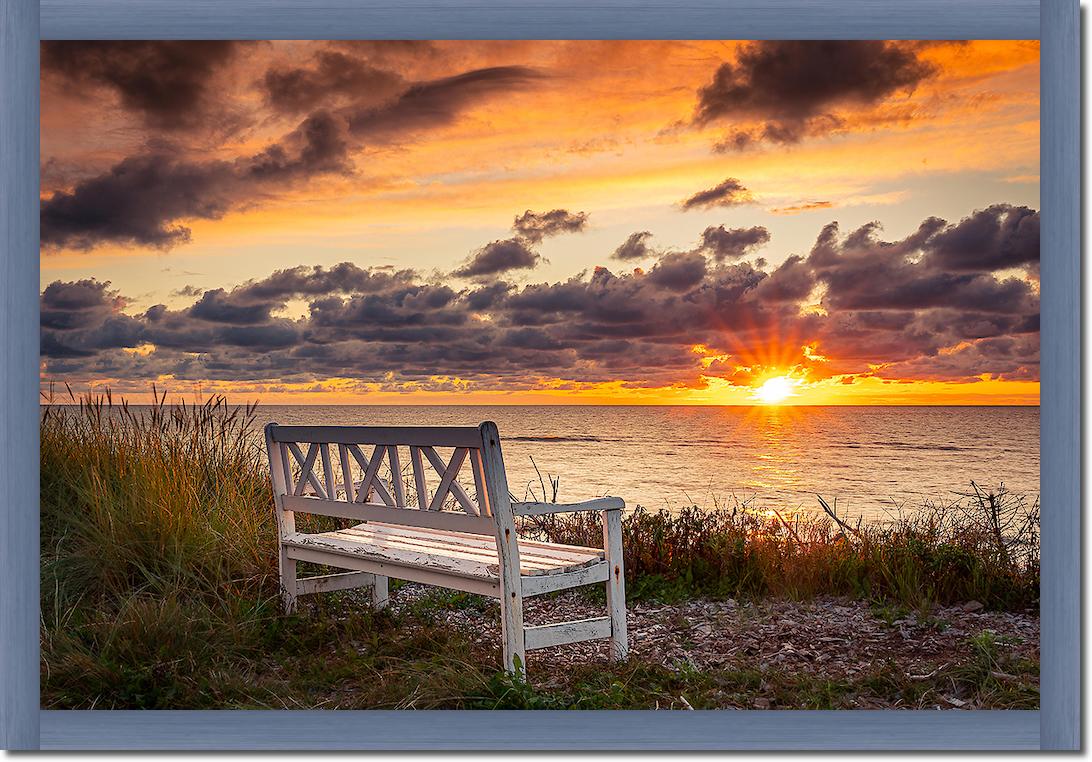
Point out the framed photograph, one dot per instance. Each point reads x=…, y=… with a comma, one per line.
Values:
x=666, y=378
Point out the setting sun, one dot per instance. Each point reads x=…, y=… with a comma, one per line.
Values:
x=774, y=391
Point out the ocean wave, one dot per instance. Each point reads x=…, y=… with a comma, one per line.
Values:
x=561, y=439
x=908, y=446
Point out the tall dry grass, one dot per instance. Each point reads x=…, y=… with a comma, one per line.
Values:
x=982, y=547
x=158, y=555
x=168, y=499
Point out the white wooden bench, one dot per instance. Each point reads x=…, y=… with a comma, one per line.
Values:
x=446, y=535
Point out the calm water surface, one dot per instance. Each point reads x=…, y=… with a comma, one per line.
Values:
x=870, y=458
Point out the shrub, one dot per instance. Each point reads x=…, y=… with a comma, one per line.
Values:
x=935, y=555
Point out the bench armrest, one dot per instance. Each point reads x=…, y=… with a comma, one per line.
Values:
x=543, y=509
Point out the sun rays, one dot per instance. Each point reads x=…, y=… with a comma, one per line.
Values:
x=775, y=391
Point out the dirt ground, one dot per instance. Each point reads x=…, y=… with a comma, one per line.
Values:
x=831, y=638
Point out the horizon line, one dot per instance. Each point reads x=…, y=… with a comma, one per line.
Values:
x=580, y=404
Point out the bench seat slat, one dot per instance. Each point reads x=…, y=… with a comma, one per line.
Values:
x=553, y=547
x=480, y=585
x=453, y=552
x=428, y=544
x=478, y=555
x=571, y=553
x=530, y=560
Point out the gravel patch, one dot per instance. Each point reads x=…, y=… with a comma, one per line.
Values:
x=827, y=637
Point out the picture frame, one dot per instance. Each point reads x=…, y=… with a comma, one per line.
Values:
x=1055, y=726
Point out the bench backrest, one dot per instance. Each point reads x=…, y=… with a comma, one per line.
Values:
x=392, y=474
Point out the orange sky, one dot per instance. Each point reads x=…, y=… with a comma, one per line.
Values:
x=201, y=201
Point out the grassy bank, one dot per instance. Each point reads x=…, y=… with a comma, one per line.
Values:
x=159, y=582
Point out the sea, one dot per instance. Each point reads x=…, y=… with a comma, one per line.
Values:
x=876, y=461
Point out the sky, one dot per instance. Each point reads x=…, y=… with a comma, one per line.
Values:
x=541, y=222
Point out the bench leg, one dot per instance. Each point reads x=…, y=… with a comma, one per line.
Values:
x=380, y=599
x=513, y=650
x=288, y=581
x=616, y=584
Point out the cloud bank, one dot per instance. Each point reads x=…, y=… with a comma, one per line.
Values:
x=791, y=89
x=941, y=304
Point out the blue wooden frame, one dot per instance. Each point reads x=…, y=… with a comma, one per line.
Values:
x=1056, y=23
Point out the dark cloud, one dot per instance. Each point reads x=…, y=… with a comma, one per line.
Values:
x=795, y=88
x=732, y=243
x=263, y=337
x=54, y=348
x=82, y=318
x=167, y=82
x=728, y=193
x=634, y=247
x=76, y=304
x=499, y=257
x=792, y=281
x=317, y=146
x=517, y=253
x=215, y=306
x=1010, y=358
x=187, y=290
x=530, y=338
x=330, y=75
x=535, y=226
x=936, y=266
x=254, y=302
x=143, y=200
x=414, y=313
x=539, y=301
x=439, y=102
x=994, y=238
x=736, y=140
x=914, y=308
x=79, y=317
x=488, y=296
x=317, y=280
x=678, y=271
x=137, y=202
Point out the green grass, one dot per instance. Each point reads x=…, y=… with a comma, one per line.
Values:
x=159, y=589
